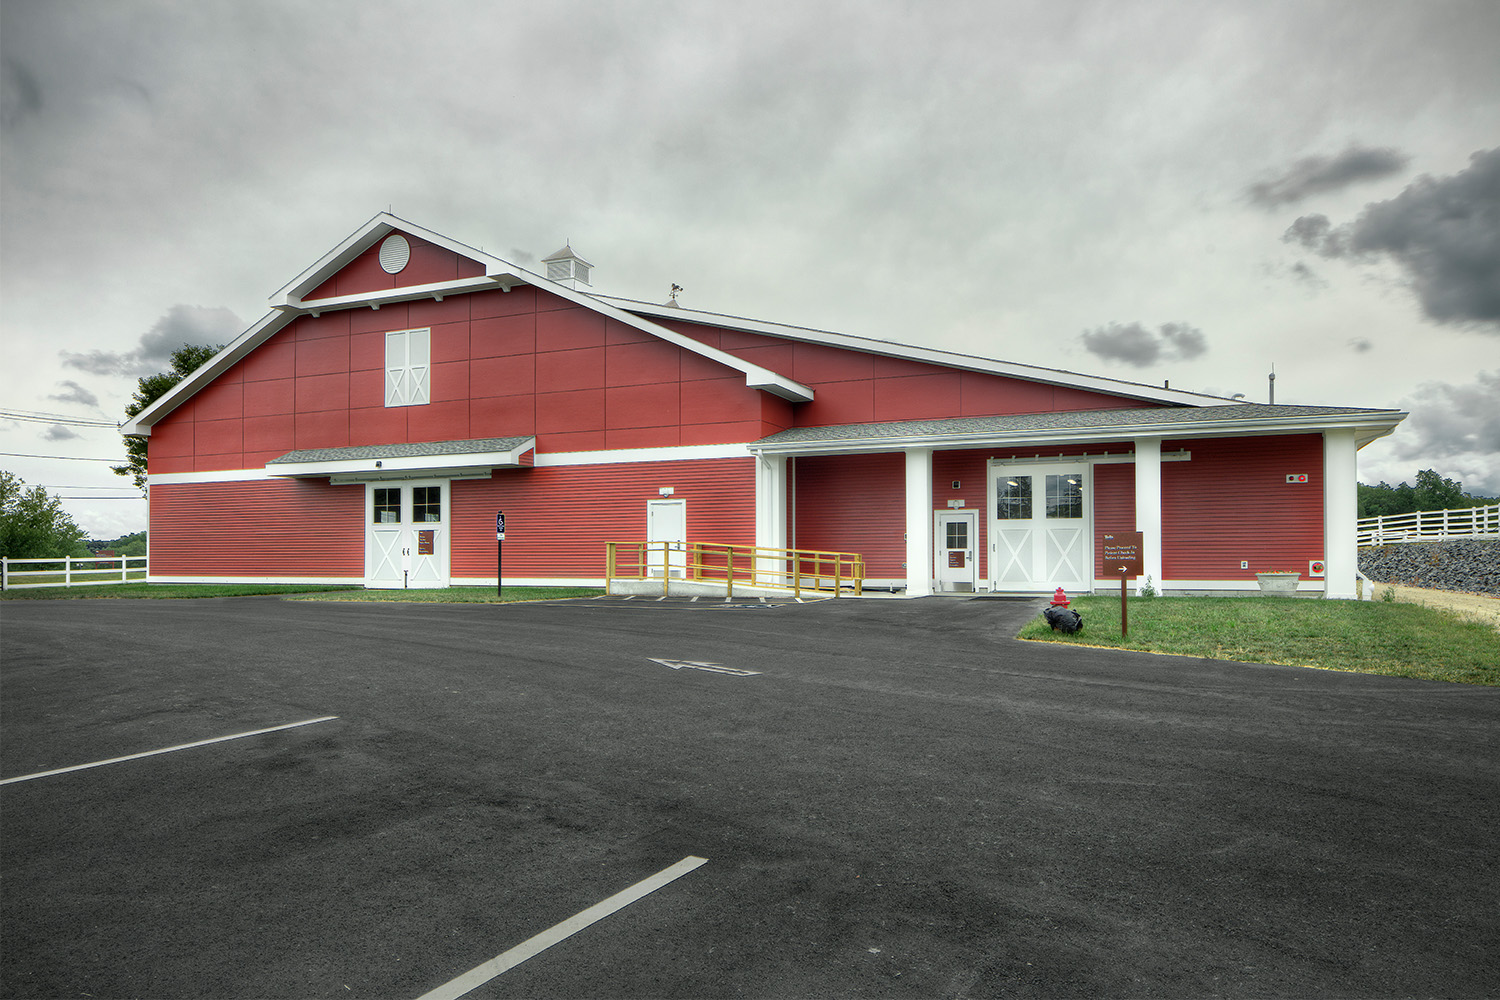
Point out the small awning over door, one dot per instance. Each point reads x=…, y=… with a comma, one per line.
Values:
x=477, y=457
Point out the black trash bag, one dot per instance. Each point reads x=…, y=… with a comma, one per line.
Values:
x=1063, y=619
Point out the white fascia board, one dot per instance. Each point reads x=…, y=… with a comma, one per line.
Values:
x=1373, y=426
x=374, y=300
x=911, y=352
x=404, y=467
x=263, y=330
x=366, y=236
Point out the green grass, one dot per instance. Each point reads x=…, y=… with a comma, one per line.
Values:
x=1371, y=637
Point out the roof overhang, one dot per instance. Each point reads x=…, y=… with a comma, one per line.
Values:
x=1080, y=428
x=911, y=352
x=476, y=458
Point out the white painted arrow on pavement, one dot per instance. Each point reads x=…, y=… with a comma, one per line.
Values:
x=712, y=668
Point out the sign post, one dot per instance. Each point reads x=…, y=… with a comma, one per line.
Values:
x=499, y=553
x=1122, y=555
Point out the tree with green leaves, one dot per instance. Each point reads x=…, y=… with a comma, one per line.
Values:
x=1436, y=493
x=33, y=524
x=185, y=360
x=1432, y=492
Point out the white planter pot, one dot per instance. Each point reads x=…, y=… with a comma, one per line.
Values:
x=1278, y=584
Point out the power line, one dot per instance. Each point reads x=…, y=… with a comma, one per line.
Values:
x=112, y=486
x=64, y=458
x=64, y=496
x=55, y=418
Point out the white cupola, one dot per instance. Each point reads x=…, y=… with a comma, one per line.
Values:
x=567, y=268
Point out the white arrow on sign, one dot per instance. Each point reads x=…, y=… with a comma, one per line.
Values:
x=712, y=668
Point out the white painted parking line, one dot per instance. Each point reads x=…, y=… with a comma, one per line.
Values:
x=480, y=975
x=153, y=753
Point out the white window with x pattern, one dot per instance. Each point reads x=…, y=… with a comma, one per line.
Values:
x=408, y=367
x=1040, y=518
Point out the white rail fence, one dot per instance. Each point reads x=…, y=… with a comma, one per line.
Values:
x=88, y=571
x=1429, y=526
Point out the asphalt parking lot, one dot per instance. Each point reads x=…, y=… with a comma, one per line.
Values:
x=890, y=798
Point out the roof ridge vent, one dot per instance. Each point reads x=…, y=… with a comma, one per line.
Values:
x=567, y=268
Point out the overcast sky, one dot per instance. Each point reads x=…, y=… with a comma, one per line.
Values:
x=1152, y=191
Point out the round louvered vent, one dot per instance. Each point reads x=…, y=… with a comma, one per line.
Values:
x=394, y=253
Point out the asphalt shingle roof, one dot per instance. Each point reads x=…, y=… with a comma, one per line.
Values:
x=425, y=449
x=1123, y=419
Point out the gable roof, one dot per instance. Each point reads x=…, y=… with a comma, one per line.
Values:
x=289, y=302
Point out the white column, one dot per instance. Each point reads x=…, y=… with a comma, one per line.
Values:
x=1340, y=513
x=1148, y=507
x=770, y=512
x=918, y=522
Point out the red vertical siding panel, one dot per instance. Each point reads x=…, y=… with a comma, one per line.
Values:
x=447, y=421
x=917, y=397
x=854, y=503
x=1232, y=502
x=564, y=371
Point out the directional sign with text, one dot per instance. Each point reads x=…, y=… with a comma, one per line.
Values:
x=1121, y=552
x=712, y=668
x=500, y=525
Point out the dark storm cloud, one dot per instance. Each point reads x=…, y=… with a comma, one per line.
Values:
x=181, y=325
x=1315, y=174
x=20, y=95
x=1360, y=345
x=1316, y=233
x=1135, y=345
x=1443, y=232
x=1449, y=420
x=74, y=393
x=57, y=432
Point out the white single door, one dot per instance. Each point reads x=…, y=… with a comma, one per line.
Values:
x=1039, y=528
x=954, y=549
x=666, y=523
x=406, y=542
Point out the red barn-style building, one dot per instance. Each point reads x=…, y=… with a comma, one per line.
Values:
x=406, y=387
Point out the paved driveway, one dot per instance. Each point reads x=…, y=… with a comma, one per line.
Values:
x=893, y=798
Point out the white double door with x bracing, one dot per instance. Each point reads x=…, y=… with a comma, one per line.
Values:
x=406, y=535
x=1040, y=518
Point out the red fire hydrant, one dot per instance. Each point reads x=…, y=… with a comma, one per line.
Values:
x=1059, y=599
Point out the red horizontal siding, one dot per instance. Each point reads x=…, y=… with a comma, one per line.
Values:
x=854, y=503
x=1114, y=505
x=1232, y=502
x=558, y=518
x=266, y=528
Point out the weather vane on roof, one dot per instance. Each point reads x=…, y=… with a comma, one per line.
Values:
x=675, y=289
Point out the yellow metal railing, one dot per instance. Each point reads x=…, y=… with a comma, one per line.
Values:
x=797, y=571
